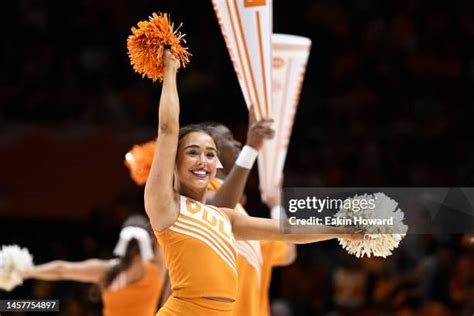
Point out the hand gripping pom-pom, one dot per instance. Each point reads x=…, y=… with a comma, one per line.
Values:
x=379, y=240
x=13, y=260
x=146, y=46
x=139, y=159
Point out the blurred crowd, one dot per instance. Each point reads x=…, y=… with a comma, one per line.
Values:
x=426, y=276
x=387, y=101
x=387, y=97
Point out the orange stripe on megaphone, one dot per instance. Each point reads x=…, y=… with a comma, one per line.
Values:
x=294, y=106
x=262, y=61
x=299, y=85
x=254, y=3
x=259, y=108
x=237, y=43
x=282, y=110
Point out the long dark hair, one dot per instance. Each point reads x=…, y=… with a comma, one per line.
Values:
x=185, y=130
x=132, y=250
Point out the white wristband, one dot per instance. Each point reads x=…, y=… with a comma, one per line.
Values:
x=278, y=212
x=247, y=157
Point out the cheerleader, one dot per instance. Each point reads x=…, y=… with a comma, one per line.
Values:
x=256, y=259
x=198, y=240
x=131, y=284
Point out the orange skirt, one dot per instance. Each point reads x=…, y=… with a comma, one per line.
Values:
x=194, y=307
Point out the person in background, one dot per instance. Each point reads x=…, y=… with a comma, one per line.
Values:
x=256, y=259
x=131, y=284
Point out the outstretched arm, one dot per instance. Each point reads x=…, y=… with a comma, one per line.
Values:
x=247, y=227
x=92, y=271
x=161, y=203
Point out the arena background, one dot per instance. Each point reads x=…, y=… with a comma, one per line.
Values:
x=387, y=101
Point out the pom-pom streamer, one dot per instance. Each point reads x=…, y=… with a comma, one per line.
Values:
x=139, y=159
x=146, y=46
x=13, y=260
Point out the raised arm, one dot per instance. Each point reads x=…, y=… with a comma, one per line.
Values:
x=232, y=189
x=161, y=201
x=92, y=270
x=247, y=227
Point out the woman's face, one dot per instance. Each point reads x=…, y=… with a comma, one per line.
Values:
x=196, y=161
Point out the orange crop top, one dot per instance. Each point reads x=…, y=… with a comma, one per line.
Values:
x=200, y=252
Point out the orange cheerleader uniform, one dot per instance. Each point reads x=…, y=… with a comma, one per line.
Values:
x=273, y=253
x=249, y=264
x=200, y=253
x=139, y=298
x=255, y=262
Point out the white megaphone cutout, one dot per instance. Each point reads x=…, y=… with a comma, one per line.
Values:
x=247, y=29
x=290, y=55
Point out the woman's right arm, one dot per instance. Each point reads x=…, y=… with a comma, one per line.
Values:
x=92, y=271
x=161, y=201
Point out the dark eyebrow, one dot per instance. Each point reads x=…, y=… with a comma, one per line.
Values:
x=196, y=146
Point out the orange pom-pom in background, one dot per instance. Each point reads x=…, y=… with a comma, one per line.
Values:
x=146, y=46
x=139, y=159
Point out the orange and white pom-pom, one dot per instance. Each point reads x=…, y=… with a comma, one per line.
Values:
x=146, y=46
x=139, y=160
x=13, y=260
